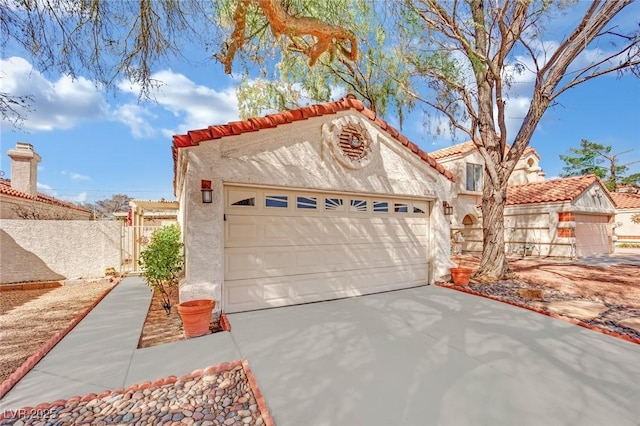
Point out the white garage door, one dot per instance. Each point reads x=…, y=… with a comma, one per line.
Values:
x=592, y=235
x=286, y=247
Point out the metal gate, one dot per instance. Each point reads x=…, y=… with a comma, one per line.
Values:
x=133, y=239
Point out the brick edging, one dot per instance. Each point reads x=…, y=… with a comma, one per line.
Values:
x=543, y=312
x=257, y=394
x=170, y=380
x=26, y=366
x=224, y=322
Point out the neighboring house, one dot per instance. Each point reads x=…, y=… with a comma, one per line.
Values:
x=627, y=206
x=318, y=203
x=139, y=223
x=568, y=217
x=19, y=198
x=535, y=210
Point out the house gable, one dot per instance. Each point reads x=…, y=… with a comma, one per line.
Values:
x=261, y=124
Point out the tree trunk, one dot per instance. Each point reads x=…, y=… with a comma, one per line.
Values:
x=494, y=264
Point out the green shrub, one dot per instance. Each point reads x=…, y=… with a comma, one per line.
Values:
x=163, y=260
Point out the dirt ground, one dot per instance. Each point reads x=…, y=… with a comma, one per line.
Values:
x=29, y=318
x=160, y=328
x=618, y=284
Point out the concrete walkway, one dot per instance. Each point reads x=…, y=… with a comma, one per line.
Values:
x=423, y=356
x=101, y=353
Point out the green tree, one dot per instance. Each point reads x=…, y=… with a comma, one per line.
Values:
x=597, y=159
x=163, y=261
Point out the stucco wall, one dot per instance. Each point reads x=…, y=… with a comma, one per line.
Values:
x=293, y=155
x=9, y=207
x=627, y=231
x=40, y=250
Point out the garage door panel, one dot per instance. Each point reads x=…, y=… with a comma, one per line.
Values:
x=283, y=291
x=282, y=256
x=248, y=262
x=591, y=239
x=247, y=231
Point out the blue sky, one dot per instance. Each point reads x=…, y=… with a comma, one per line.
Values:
x=95, y=144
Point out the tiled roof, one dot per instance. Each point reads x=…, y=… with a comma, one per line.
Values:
x=5, y=188
x=461, y=148
x=565, y=189
x=464, y=147
x=194, y=137
x=626, y=200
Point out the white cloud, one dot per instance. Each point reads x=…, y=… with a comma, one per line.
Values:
x=136, y=117
x=79, y=198
x=60, y=104
x=46, y=189
x=196, y=106
x=75, y=176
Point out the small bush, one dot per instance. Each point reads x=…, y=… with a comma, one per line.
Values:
x=163, y=260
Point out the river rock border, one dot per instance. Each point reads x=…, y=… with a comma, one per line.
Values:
x=226, y=394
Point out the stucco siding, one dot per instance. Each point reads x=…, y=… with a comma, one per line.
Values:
x=627, y=231
x=34, y=250
x=293, y=156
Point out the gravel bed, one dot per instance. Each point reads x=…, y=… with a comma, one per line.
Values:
x=209, y=397
x=507, y=290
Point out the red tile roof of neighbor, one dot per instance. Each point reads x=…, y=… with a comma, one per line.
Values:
x=194, y=137
x=565, y=189
x=464, y=147
x=5, y=188
x=626, y=200
x=450, y=151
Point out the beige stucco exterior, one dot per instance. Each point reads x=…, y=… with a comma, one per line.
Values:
x=627, y=232
x=40, y=250
x=530, y=229
x=295, y=155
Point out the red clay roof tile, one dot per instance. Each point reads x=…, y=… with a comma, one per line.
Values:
x=194, y=137
x=565, y=189
x=461, y=148
x=5, y=188
x=626, y=200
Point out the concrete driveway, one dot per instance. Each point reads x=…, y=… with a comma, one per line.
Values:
x=434, y=356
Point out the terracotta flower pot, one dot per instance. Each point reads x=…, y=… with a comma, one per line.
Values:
x=196, y=316
x=461, y=276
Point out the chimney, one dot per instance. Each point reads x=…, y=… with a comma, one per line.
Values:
x=24, y=168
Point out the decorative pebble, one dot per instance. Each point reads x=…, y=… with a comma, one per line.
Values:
x=223, y=398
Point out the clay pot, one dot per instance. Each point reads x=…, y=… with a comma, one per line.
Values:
x=196, y=316
x=461, y=276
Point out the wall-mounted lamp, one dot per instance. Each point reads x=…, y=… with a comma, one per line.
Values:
x=448, y=208
x=207, y=192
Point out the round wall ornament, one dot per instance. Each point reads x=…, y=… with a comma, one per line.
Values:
x=349, y=141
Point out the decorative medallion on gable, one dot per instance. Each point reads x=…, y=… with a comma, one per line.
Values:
x=350, y=142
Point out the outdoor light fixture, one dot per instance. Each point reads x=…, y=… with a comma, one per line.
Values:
x=448, y=208
x=207, y=192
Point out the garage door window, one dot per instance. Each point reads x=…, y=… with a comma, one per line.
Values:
x=401, y=208
x=309, y=203
x=358, y=205
x=277, y=201
x=334, y=204
x=419, y=208
x=245, y=202
x=380, y=206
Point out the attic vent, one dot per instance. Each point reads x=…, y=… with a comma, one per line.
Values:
x=349, y=142
x=352, y=142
